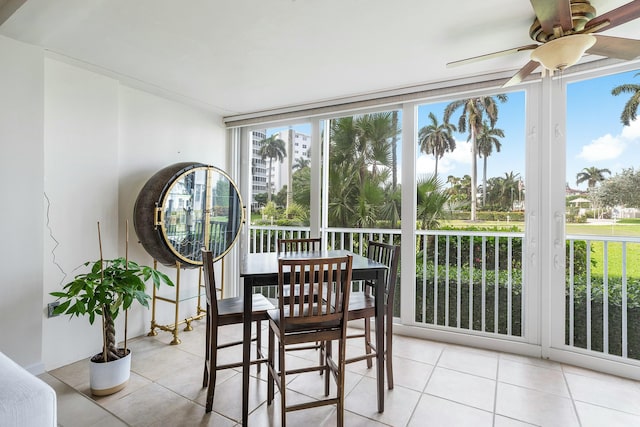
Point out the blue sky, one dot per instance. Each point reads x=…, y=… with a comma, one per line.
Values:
x=595, y=135
x=458, y=163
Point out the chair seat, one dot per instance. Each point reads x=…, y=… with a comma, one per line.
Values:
x=274, y=316
x=361, y=305
x=230, y=309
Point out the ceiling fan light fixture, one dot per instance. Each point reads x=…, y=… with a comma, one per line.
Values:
x=563, y=52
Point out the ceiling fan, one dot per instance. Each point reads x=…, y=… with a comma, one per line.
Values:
x=564, y=31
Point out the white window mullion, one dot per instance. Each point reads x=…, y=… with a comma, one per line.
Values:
x=408, y=216
x=316, y=212
x=552, y=168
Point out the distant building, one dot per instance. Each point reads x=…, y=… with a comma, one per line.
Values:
x=296, y=142
x=258, y=167
x=573, y=191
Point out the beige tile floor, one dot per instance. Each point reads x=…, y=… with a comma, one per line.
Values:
x=436, y=384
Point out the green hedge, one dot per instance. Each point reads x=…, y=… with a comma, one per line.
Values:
x=490, y=216
x=465, y=243
x=597, y=327
x=596, y=302
x=476, y=324
x=579, y=248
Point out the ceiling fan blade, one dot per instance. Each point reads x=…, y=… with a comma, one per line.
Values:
x=553, y=13
x=615, y=17
x=522, y=73
x=491, y=55
x=615, y=47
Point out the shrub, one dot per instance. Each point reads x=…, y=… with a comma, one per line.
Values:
x=465, y=243
x=471, y=294
x=476, y=304
x=596, y=303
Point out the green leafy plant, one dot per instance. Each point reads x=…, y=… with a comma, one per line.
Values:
x=109, y=287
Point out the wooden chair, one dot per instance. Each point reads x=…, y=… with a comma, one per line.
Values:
x=299, y=245
x=362, y=306
x=319, y=317
x=221, y=312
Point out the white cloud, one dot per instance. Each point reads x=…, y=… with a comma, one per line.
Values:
x=426, y=164
x=606, y=147
x=631, y=132
x=462, y=153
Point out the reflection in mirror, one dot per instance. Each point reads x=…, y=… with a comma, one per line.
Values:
x=198, y=205
x=184, y=213
x=185, y=209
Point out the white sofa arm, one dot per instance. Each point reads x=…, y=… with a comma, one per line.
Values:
x=25, y=400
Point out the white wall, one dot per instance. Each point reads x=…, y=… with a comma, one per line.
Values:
x=77, y=148
x=103, y=142
x=81, y=184
x=21, y=216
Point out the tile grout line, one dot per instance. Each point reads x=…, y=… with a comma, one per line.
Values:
x=424, y=389
x=573, y=401
x=495, y=391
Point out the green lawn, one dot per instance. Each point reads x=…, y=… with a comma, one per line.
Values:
x=580, y=229
x=614, y=254
x=632, y=230
x=614, y=250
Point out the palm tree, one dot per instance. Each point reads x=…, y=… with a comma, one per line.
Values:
x=486, y=139
x=474, y=111
x=375, y=132
x=272, y=148
x=592, y=175
x=391, y=208
x=300, y=163
x=505, y=189
x=432, y=198
x=361, y=164
x=630, y=110
x=436, y=139
x=343, y=190
x=302, y=184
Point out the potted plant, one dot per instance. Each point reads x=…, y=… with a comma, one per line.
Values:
x=110, y=286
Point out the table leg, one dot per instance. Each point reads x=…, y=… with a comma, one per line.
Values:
x=246, y=349
x=380, y=337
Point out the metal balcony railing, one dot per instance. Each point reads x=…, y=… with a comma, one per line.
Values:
x=473, y=282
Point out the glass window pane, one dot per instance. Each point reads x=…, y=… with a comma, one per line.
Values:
x=603, y=216
x=280, y=168
x=364, y=165
x=470, y=159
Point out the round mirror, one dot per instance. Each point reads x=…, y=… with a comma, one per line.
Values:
x=184, y=207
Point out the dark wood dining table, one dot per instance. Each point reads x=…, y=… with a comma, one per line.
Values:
x=261, y=269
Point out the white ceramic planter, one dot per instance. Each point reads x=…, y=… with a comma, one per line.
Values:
x=108, y=378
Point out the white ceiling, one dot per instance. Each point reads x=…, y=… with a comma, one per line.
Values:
x=243, y=56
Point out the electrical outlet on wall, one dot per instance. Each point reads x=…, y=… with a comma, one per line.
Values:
x=50, y=307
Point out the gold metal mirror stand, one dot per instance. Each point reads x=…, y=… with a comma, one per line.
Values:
x=173, y=328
